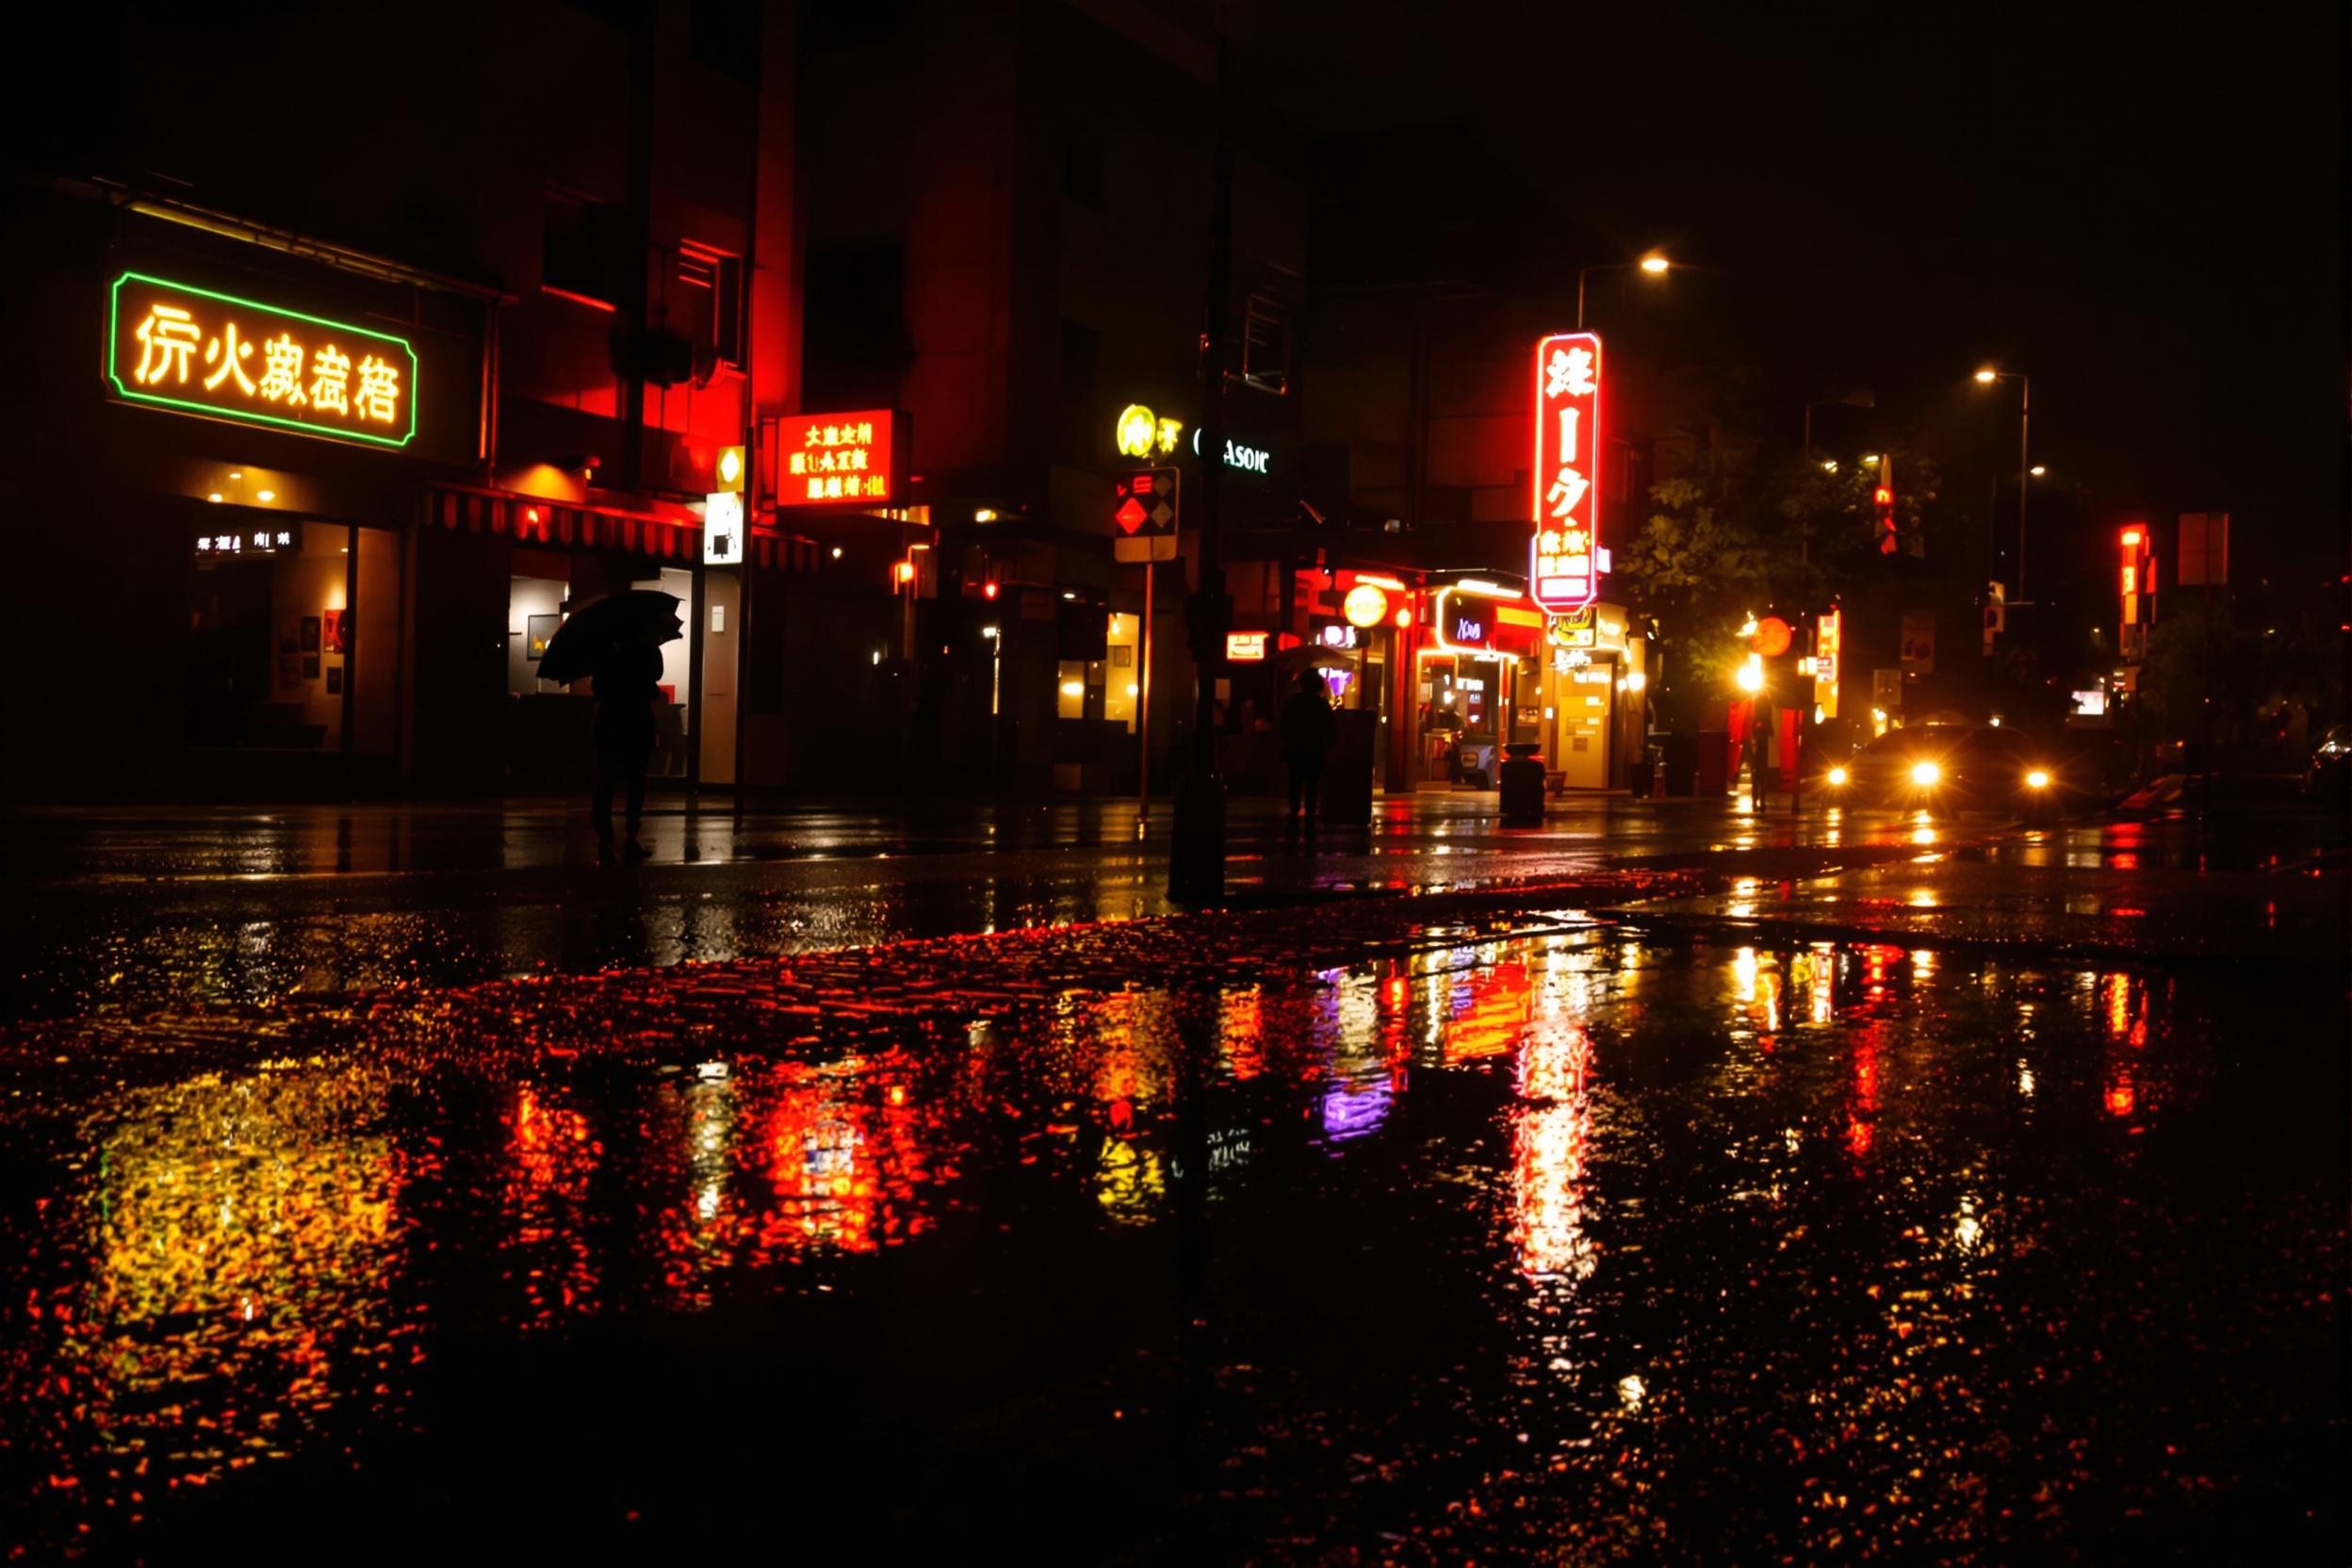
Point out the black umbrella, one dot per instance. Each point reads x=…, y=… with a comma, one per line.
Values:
x=638, y=616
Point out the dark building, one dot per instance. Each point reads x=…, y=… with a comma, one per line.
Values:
x=371, y=340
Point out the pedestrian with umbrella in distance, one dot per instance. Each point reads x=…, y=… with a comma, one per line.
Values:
x=616, y=643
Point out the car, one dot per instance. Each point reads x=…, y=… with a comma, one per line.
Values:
x=2328, y=774
x=1951, y=767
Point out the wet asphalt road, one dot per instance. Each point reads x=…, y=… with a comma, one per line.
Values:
x=1464, y=1226
x=129, y=910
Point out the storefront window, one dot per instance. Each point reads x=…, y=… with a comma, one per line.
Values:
x=1122, y=685
x=280, y=611
x=543, y=588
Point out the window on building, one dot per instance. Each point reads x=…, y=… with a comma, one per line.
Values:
x=856, y=344
x=1084, y=179
x=581, y=254
x=724, y=35
x=1265, y=344
x=1080, y=348
x=711, y=286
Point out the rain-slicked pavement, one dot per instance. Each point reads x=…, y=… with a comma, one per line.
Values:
x=1461, y=1225
x=119, y=909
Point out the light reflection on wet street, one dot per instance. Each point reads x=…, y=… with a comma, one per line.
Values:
x=1189, y=1241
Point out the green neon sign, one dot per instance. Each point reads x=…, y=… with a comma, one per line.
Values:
x=196, y=351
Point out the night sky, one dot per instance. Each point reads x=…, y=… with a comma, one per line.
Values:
x=2141, y=209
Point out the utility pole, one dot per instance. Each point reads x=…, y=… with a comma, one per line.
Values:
x=1196, y=865
x=1196, y=861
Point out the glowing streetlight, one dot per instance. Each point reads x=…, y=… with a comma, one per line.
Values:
x=1829, y=465
x=1653, y=265
x=1987, y=377
x=2037, y=471
x=1751, y=676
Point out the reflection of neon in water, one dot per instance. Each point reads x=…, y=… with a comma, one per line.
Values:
x=1352, y=1109
x=1492, y=1015
x=1548, y=1143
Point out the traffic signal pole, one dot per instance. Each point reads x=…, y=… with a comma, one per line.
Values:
x=1195, y=859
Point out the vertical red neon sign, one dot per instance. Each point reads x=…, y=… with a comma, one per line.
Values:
x=1564, y=557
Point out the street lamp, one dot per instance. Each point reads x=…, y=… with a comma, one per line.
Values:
x=1653, y=265
x=1987, y=377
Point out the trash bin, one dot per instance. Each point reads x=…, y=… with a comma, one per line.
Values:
x=1522, y=783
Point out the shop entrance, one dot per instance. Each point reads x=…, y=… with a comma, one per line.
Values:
x=1579, y=744
x=294, y=636
x=549, y=743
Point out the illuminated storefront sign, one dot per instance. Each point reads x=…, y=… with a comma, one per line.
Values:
x=191, y=350
x=1244, y=648
x=1337, y=637
x=251, y=541
x=1240, y=455
x=729, y=468
x=1482, y=618
x=829, y=458
x=723, y=528
x=1828, y=643
x=1566, y=560
x=1366, y=605
x=1142, y=433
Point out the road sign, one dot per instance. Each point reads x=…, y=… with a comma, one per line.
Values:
x=1143, y=515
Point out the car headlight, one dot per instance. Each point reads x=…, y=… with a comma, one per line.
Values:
x=2037, y=779
x=1836, y=776
x=1925, y=772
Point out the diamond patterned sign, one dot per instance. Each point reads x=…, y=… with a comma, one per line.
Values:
x=1143, y=511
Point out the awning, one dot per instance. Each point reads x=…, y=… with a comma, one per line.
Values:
x=530, y=519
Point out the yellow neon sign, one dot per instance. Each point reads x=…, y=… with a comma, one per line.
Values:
x=176, y=346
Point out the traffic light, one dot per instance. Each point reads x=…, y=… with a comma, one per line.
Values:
x=1883, y=498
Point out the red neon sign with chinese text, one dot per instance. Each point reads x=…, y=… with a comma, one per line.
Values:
x=1564, y=556
x=829, y=458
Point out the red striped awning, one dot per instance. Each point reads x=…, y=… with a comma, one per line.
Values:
x=530, y=520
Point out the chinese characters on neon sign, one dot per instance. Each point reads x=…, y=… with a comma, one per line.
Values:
x=187, y=348
x=829, y=458
x=1564, y=572
x=1829, y=645
x=259, y=541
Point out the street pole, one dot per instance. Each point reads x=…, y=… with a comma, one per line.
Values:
x=1196, y=858
x=2025, y=411
x=1143, y=709
x=1582, y=273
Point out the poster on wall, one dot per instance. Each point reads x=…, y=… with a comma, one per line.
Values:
x=310, y=666
x=335, y=680
x=539, y=631
x=332, y=630
x=310, y=635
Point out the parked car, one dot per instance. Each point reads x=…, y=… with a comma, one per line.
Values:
x=1953, y=767
x=2328, y=774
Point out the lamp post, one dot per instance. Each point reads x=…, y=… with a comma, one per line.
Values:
x=1987, y=377
x=1652, y=265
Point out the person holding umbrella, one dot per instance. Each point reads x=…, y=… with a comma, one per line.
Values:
x=616, y=643
x=1308, y=728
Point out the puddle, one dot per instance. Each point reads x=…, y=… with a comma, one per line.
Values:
x=1556, y=1238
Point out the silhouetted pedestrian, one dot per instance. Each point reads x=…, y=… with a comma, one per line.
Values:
x=628, y=686
x=1309, y=727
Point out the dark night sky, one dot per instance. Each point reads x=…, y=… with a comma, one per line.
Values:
x=2140, y=207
